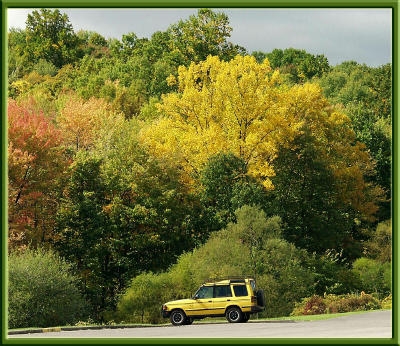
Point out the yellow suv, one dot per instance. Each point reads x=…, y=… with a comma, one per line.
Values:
x=235, y=299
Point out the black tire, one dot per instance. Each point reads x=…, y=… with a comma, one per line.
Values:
x=178, y=318
x=260, y=298
x=234, y=315
x=246, y=317
x=189, y=320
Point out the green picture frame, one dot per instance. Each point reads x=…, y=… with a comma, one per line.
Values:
x=393, y=4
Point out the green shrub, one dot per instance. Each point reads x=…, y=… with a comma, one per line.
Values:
x=42, y=292
x=142, y=300
x=375, y=276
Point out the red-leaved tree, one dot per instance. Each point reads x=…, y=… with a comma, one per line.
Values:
x=35, y=164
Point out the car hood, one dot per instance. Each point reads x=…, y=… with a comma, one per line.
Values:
x=180, y=301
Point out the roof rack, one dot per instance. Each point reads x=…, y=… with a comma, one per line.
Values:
x=232, y=279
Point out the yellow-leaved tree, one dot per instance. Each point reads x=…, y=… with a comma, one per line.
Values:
x=242, y=107
x=235, y=106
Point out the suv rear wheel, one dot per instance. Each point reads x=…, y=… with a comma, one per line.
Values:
x=234, y=315
x=246, y=317
x=188, y=320
x=178, y=318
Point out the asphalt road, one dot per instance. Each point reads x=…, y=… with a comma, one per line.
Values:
x=377, y=324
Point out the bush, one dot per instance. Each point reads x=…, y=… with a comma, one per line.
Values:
x=42, y=292
x=331, y=304
x=142, y=300
x=314, y=305
x=387, y=302
x=354, y=303
x=375, y=276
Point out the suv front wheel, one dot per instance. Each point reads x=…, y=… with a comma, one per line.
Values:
x=178, y=318
x=234, y=315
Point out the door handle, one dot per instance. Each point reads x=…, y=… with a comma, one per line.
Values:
x=210, y=301
x=228, y=300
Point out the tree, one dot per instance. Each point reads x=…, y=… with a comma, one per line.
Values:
x=225, y=106
x=258, y=229
x=17, y=62
x=316, y=205
x=300, y=65
x=35, y=162
x=365, y=96
x=203, y=35
x=225, y=187
x=50, y=36
x=80, y=120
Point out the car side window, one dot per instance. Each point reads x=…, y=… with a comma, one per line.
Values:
x=205, y=292
x=240, y=290
x=222, y=291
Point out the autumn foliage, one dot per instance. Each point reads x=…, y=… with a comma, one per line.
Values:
x=35, y=161
x=125, y=156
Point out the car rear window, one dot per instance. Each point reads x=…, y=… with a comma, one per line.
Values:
x=222, y=291
x=253, y=285
x=240, y=290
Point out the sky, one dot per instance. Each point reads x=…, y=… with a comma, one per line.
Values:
x=363, y=35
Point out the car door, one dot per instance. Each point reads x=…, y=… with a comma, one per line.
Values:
x=222, y=298
x=203, y=302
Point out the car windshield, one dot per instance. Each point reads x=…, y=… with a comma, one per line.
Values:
x=204, y=292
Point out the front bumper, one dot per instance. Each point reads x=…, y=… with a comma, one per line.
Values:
x=165, y=313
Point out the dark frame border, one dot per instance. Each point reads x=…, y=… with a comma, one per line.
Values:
x=220, y=4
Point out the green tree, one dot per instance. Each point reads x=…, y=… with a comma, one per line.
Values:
x=50, y=36
x=226, y=186
x=307, y=197
x=365, y=95
x=17, y=61
x=260, y=56
x=299, y=64
x=203, y=35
